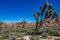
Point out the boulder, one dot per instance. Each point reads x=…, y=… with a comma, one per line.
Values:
x=27, y=38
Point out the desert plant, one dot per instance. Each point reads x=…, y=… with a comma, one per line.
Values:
x=57, y=39
x=1, y=23
x=24, y=22
x=35, y=37
x=43, y=9
x=1, y=38
x=53, y=32
x=56, y=33
x=47, y=11
x=36, y=15
x=12, y=36
x=44, y=35
x=50, y=31
x=5, y=33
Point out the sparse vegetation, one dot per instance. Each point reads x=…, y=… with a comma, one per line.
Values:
x=5, y=33
x=14, y=31
x=57, y=39
x=44, y=35
x=21, y=32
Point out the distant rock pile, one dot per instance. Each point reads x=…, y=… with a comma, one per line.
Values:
x=46, y=22
x=16, y=24
x=51, y=22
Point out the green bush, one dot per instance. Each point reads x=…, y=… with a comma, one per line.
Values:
x=50, y=31
x=21, y=30
x=35, y=37
x=44, y=35
x=53, y=32
x=5, y=33
x=1, y=38
x=12, y=35
x=57, y=39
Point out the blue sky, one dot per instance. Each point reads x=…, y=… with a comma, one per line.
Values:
x=17, y=10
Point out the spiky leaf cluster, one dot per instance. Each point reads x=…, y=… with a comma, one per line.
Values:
x=36, y=14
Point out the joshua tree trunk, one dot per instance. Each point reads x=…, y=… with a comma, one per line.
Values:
x=23, y=25
x=36, y=29
x=40, y=23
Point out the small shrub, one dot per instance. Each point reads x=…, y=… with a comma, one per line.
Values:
x=57, y=39
x=1, y=38
x=53, y=32
x=5, y=33
x=12, y=36
x=21, y=30
x=44, y=35
x=35, y=37
x=50, y=31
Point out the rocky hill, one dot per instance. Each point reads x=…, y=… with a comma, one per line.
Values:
x=16, y=24
x=51, y=22
x=46, y=22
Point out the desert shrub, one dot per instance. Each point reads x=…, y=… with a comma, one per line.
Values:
x=1, y=38
x=0, y=28
x=45, y=29
x=50, y=31
x=53, y=32
x=44, y=35
x=21, y=34
x=27, y=31
x=35, y=37
x=12, y=36
x=32, y=28
x=13, y=29
x=21, y=30
x=5, y=33
x=56, y=28
x=57, y=39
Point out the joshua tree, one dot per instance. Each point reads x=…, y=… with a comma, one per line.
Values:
x=43, y=9
x=36, y=15
x=46, y=12
x=17, y=23
x=24, y=22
